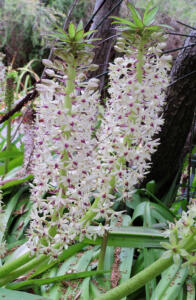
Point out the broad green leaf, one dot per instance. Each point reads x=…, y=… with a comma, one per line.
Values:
x=135, y=15
x=133, y=237
x=94, y=291
x=191, y=291
x=158, y=201
x=149, y=16
x=84, y=261
x=148, y=220
x=126, y=257
x=124, y=21
x=51, y=291
x=158, y=217
x=81, y=265
x=6, y=294
x=148, y=260
x=166, y=279
x=172, y=292
x=163, y=211
x=139, y=211
x=84, y=288
x=66, y=265
x=72, y=30
x=108, y=263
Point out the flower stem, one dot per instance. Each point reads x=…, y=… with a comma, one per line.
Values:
x=137, y=281
x=102, y=252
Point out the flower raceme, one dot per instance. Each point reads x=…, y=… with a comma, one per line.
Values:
x=77, y=171
x=132, y=118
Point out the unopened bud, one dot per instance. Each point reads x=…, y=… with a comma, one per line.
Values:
x=93, y=67
x=93, y=83
x=50, y=72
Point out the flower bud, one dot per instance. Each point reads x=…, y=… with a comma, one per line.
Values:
x=50, y=72
x=93, y=67
x=93, y=83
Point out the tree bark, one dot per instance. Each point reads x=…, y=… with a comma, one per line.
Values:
x=104, y=51
x=178, y=115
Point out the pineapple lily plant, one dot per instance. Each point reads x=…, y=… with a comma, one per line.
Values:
x=87, y=158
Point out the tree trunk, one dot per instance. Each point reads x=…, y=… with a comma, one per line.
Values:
x=104, y=51
x=178, y=115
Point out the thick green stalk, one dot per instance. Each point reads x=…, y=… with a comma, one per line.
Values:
x=137, y=281
x=102, y=252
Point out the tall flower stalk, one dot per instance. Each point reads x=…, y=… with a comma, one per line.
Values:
x=65, y=157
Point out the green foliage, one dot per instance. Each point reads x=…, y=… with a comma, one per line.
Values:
x=10, y=295
x=74, y=43
x=141, y=29
x=21, y=26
